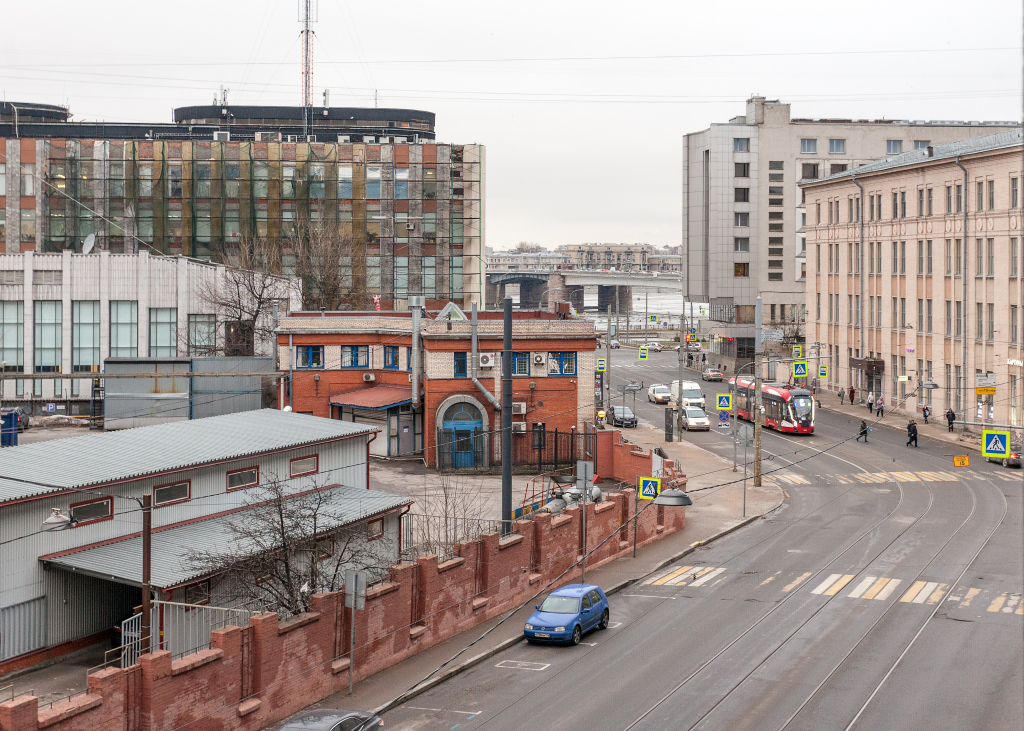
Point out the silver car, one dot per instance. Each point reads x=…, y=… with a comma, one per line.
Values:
x=694, y=418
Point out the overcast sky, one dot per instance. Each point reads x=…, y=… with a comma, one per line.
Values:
x=581, y=105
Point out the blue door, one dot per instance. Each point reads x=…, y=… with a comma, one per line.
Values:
x=462, y=426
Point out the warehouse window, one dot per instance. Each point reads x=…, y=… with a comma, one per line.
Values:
x=124, y=329
x=174, y=493
x=163, y=332
x=304, y=466
x=202, y=334
x=12, y=336
x=47, y=336
x=85, y=336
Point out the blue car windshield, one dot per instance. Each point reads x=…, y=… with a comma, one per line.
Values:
x=561, y=605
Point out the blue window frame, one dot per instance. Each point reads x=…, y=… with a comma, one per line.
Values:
x=561, y=364
x=521, y=364
x=408, y=359
x=391, y=356
x=355, y=356
x=309, y=356
x=460, y=365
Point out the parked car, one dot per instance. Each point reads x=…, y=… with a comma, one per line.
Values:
x=655, y=346
x=694, y=418
x=1012, y=461
x=691, y=395
x=333, y=719
x=622, y=416
x=660, y=394
x=567, y=614
x=615, y=345
x=23, y=418
x=711, y=374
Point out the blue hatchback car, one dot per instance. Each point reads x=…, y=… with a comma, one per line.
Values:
x=567, y=614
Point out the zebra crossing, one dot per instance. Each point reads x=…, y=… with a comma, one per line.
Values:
x=865, y=478
x=687, y=576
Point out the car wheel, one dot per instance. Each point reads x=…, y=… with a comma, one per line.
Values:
x=604, y=620
x=577, y=634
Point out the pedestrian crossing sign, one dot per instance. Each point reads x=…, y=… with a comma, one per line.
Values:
x=723, y=401
x=800, y=369
x=650, y=487
x=643, y=354
x=652, y=318
x=995, y=443
x=823, y=371
x=602, y=364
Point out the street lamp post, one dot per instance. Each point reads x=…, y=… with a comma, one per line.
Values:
x=757, y=393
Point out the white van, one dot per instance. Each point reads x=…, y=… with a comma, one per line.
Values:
x=692, y=395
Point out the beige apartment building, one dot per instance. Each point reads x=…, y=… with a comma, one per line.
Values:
x=621, y=257
x=915, y=270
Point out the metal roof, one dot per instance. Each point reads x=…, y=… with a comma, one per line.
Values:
x=946, y=151
x=373, y=398
x=94, y=459
x=121, y=561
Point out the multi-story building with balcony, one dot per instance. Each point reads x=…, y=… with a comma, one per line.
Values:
x=744, y=213
x=409, y=208
x=621, y=257
x=916, y=275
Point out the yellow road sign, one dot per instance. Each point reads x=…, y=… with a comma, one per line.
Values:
x=798, y=351
x=985, y=391
x=602, y=364
x=963, y=461
x=643, y=354
x=650, y=487
x=823, y=371
x=723, y=401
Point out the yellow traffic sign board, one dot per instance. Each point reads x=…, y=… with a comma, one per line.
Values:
x=602, y=364
x=985, y=391
x=643, y=354
x=995, y=443
x=823, y=371
x=723, y=401
x=798, y=351
x=799, y=369
x=650, y=488
x=963, y=461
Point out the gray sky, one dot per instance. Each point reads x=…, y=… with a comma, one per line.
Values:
x=581, y=105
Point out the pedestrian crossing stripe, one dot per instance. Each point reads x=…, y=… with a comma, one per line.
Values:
x=794, y=479
x=878, y=477
x=873, y=587
x=833, y=584
x=692, y=575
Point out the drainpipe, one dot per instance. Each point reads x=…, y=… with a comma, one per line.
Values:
x=487, y=394
x=860, y=268
x=962, y=389
x=414, y=355
x=291, y=369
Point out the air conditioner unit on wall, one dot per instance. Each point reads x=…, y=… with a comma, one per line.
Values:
x=221, y=136
x=343, y=139
x=487, y=360
x=519, y=426
x=369, y=377
x=518, y=408
x=539, y=359
x=268, y=136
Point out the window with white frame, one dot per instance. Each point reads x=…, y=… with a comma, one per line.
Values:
x=85, y=336
x=202, y=334
x=893, y=147
x=12, y=336
x=837, y=147
x=124, y=329
x=808, y=146
x=163, y=332
x=48, y=340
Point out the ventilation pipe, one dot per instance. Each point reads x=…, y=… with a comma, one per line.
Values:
x=476, y=360
x=414, y=356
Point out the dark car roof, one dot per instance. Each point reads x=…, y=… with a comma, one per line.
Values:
x=321, y=719
x=575, y=590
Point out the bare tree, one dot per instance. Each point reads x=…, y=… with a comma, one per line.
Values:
x=242, y=294
x=451, y=510
x=332, y=271
x=287, y=546
x=527, y=247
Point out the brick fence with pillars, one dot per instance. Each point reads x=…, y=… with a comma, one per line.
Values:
x=253, y=676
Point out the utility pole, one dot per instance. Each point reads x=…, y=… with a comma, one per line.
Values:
x=757, y=394
x=145, y=635
x=608, y=364
x=506, y=422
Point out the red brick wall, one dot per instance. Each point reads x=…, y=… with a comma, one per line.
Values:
x=304, y=659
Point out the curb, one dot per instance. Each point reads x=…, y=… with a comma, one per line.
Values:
x=512, y=641
x=937, y=439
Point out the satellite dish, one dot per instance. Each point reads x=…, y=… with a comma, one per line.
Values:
x=89, y=242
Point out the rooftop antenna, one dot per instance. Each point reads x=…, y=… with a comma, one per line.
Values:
x=308, y=16
x=90, y=241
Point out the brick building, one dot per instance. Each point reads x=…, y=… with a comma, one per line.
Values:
x=358, y=367
x=410, y=209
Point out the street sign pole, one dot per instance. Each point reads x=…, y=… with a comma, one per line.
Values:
x=757, y=399
x=636, y=507
x=355, y=598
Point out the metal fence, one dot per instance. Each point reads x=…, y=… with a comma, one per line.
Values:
x=536, y=450
x=427, y=535
x=180, y=628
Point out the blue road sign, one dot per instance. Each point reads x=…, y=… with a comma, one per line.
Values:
x=642, y=354
x=693, y=331
x=723, y=416
x=650, y=487
x=995, y=443
x=602, y=364
x=823, y=371
x=799, y=369
x=723, y=401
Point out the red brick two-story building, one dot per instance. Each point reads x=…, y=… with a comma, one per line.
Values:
x=357, y=366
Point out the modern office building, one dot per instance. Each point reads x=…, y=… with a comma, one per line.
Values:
x=409, y=209
x=67, y=313
x=915, y=271
x=744, y=214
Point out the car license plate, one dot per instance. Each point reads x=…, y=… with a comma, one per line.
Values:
x=541, y=634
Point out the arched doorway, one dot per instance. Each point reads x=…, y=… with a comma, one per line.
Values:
x=462, y=429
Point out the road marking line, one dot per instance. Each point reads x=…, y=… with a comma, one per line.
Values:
x=888, y=590
x=681, y=579
x=1020, y=608
x=928, y=476
x=825, y=584
x=787, y=495
x=875, y=588
x=613, y=625
x=838, y=586
x=865, y=477
x=589, y=644
x=971, y=593
x=1011, y=603
x=444, y=710
x=650, y=596
x=861, y=587
x=707, y=577
x=997, y=603
x=796, y=582
x=770, y=579
x=523, y=665
x=908, y=476
x=937, y=594
x=800, y=479
x=925, y=592
x=668, y=577
x=912, y=591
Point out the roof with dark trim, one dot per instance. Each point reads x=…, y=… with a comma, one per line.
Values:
x=375, y=397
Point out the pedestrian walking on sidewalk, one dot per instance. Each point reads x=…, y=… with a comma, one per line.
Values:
x=871, y=401
x=852, y=394
x=863, y=431
x=926, y=412
x=950, y=418
x=912, y=433
x=879, y=403
x=842, y=395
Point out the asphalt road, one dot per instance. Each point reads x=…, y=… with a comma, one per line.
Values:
x=885, y=593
